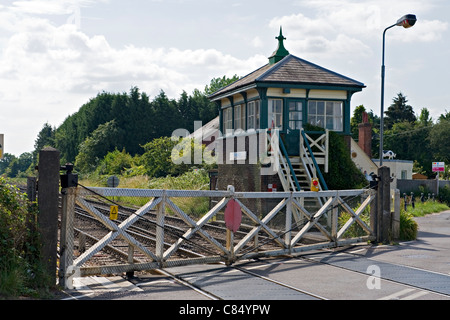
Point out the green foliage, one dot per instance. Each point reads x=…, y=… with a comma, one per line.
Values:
x=170, y=156
x=411, y=138
x=355, y=230
x=11, y=166
x=116, y=163
x=405, y=137
x=408, y=227
x=102, y=140
x=157, y=157
x=190, y=180
x=342, y=172
x=218, y=83
x=444, y=195
x=20, y=270
x=137, y=121
x=439, y=140
x=399, y=111
x=46, y=137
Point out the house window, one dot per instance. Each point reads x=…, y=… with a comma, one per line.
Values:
x=227, y=119
x=239, y=117
x=253, y=115
x=326, y=114
x=404, y=174
x=275, y=115
x=295, y=115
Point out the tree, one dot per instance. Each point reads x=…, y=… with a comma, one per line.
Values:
x=102, y=140
x=399, y=111
x=440, y=141
x=424, y=118
x=445, y=116
x=46, y=137
x=409, y=141
x=157, y=157
x=218, y=83
x=6, y=161
x=115, y=162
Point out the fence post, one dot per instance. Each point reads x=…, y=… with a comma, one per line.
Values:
x=334, y=219
x=384, y=205
x=160, y=220
x=396, y=215
x=288, y=235
x=48, y=194
x=67, y=237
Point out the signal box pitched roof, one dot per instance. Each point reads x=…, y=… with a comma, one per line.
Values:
x=292, y=72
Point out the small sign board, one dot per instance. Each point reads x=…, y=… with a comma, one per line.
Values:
x=438, y=167
x=113, y=182
x=113, y=212
x=238, y=156
x=233, y=215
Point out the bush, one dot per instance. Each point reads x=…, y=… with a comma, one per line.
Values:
x=444, y=195
x=115, y=163
x=408, y=227
x=21, y=272
x=342, y=171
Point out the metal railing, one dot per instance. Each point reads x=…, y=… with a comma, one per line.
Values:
x=270, y=229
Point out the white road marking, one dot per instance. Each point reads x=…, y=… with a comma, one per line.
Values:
x=415, y=295
x=397, y=295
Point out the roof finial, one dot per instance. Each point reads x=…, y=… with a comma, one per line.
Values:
x=280, y=37
x=281, y=51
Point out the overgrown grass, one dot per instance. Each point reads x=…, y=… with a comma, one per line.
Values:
x=191, y=180
x=408, y=226
x=421, y=209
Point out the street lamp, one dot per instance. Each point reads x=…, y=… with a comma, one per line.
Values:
x=407, y=21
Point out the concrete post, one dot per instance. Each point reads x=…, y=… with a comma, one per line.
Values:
x=396, y=215
x=48, y=193
x=66, y=242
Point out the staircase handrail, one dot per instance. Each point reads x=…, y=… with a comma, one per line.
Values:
x=319, y=172
x=292, y=173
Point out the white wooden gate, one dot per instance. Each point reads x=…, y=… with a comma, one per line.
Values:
x=262, y=237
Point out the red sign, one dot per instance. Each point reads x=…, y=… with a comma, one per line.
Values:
x=233, y=215
x=438, y=167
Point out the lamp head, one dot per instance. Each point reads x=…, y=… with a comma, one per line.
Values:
x=407, y=21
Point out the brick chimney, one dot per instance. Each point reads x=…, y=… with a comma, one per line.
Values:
x=365, y=135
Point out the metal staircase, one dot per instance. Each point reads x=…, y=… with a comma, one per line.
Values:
x=296, y=173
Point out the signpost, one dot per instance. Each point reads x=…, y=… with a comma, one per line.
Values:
x=438, y=167
x=113, y=182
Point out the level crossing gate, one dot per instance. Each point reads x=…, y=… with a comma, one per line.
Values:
x=273, y=224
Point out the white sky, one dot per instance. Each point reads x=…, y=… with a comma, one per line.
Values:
x=55, y=55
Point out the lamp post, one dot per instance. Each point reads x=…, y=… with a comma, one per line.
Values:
x=407, y=21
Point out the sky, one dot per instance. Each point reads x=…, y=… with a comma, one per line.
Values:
x=56, y=55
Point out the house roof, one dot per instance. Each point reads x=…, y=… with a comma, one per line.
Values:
x=291, y=70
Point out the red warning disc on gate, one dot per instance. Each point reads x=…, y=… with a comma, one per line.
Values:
x=233, y=215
